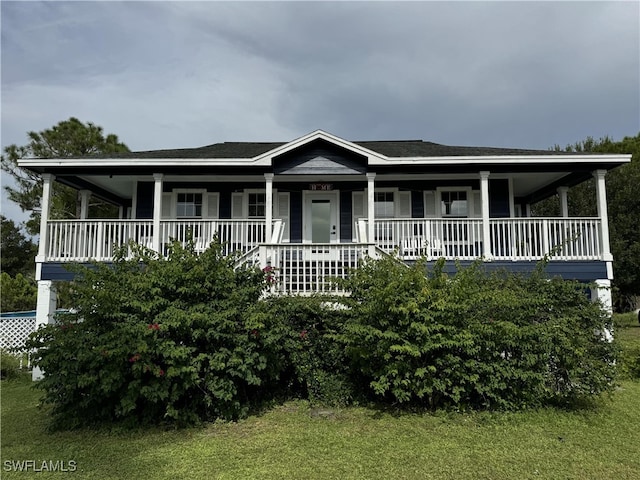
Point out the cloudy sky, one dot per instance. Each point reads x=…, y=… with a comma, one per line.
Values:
x=187, y=74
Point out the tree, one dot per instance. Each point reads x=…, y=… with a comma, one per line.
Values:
x=18, y=251
x=18, y=293
x=623, y=202
x=69, y=138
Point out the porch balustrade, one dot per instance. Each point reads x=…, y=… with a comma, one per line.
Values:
x=84, y=240
x=462, y=238
x=307, y=268
x=511, y=238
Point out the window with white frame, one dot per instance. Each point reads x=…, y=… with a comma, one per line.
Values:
x=189, y=205
x=256, y=205
x=384, y=206
x=454, y=203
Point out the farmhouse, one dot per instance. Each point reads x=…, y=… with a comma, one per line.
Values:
x=315, y=206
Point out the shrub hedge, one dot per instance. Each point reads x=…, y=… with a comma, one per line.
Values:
x=193, y=338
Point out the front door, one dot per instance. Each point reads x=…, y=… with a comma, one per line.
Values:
x=321, y=218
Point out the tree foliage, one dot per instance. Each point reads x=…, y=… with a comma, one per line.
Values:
x=69, y=138
x=18, y=251
x=19, y=293
x=623, y=201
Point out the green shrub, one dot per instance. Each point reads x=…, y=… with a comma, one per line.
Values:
x=158, y=339
x=316, y=366
x=9, y=365
x=474, y=340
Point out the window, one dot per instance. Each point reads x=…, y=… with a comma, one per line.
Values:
x=384, y=206
x=454, y=204
x=189, y=205
x=256, y=205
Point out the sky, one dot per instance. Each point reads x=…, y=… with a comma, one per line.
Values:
x=187, y=74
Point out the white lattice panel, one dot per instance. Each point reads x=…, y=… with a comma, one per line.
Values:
x=15, y=330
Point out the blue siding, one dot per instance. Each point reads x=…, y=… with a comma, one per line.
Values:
x=498, y=198
x=581, y=271
x=295, y=231
x=59, y=271
x=224, y=207
x=144, y=202
x=417, y=204
x=346, y=223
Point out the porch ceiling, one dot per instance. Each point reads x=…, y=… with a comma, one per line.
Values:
x=122, y=186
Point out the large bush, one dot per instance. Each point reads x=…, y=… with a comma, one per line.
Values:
x=193, y=338
x=316, y=366
x=155, y=338
x=474, y=340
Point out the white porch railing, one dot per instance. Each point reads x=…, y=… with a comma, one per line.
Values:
x=511, y=238
x=308, y=268
x=433, y=237
x=84, y=240
x=235, y=235
x=532, y=238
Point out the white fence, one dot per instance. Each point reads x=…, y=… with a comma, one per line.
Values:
x=14, y=332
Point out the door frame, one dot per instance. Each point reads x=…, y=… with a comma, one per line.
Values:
x=307, y=197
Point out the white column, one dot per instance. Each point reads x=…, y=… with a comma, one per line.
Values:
x=601, y=194
x=602, y=292
x=120, y=212
x=564, y=204
x=486, y=227
x=84, y=204
x=371, y=212
x=45, y=309
x=47, y=180
x=268, y=207
x=527, y=210
x=157, y=210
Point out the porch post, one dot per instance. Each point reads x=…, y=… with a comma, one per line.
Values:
x=564, y=205
x=486, y=227
x=527, y=209
x=268, y=207
x=157, y=210
x=84, y=204
x=371, y=212
x=47, y=179
x=601, y=193
x=45, y=309
x=602, y=292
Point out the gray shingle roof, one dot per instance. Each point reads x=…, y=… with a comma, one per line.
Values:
x=392, y=148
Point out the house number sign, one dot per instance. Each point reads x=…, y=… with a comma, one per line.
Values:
x=321, y=186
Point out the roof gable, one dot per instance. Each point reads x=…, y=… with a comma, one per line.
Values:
x=319, y=157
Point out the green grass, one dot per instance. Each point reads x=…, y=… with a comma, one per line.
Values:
x=293, y=441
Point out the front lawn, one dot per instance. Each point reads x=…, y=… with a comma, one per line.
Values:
x=296, y=441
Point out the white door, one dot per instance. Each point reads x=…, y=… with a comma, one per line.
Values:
x=321, y=217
